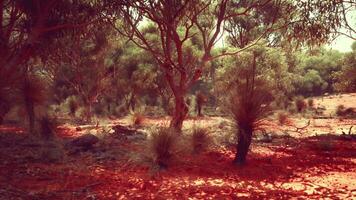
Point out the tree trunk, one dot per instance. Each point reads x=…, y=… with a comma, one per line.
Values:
x=180, y=112
x=165, y=105
x=199, y=110
x=89, y=112
x=31, y=116
x=4, y=109
x=243, y=145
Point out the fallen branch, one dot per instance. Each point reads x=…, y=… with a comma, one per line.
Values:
x=349, y=133
x=298, y=129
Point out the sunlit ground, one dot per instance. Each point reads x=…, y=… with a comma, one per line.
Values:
x=288, y=167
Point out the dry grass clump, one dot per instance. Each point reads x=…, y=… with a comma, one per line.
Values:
x=342, y=111
x=137, y=119
x=300, y=104
x=162, y=146
x=282, y=118
x=311, y=103
x=201, y=139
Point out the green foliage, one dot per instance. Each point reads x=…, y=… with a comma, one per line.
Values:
x=316, y=69
x=271, y=67
x=345, y=79
x=249, y=86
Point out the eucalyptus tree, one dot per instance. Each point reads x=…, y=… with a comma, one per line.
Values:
x=307, y=21
x=26, y=29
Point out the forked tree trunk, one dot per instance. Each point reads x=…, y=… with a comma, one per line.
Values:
x=243, y=145
x=180, y=112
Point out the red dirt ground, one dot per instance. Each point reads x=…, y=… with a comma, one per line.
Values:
x=288, y=168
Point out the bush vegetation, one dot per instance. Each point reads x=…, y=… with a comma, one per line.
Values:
x=300, y=104
x=282, y=118
x=162, y=145
x=200, y=139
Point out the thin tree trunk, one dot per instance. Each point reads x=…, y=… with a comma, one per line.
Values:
x=89, y=112
x=199, y=108
x=4, y=109
x=180, y=112
x=243, y=145
x=31, y=116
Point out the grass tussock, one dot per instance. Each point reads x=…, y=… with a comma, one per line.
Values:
x=137, y=119
x=311, y=103
x=201, y=139
x=342, y=111
x=300, y=104
x=282, y=118
x=162, y=146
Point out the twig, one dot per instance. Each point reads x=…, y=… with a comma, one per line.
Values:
x=298, y=129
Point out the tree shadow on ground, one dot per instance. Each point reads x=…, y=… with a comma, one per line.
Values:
x=271, y=171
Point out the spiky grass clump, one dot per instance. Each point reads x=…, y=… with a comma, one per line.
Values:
x=162, y=145
x=249, y=105
x=200, y=139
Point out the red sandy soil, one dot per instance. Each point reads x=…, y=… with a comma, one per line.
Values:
x=288, y=168
x=332, y=101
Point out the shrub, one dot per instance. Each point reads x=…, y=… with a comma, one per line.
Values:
x=162, y=145
x=342, y=111
x=137, y=119
x=300, y=104
x=200, y=139
x=282, y=118
x=310, y=103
